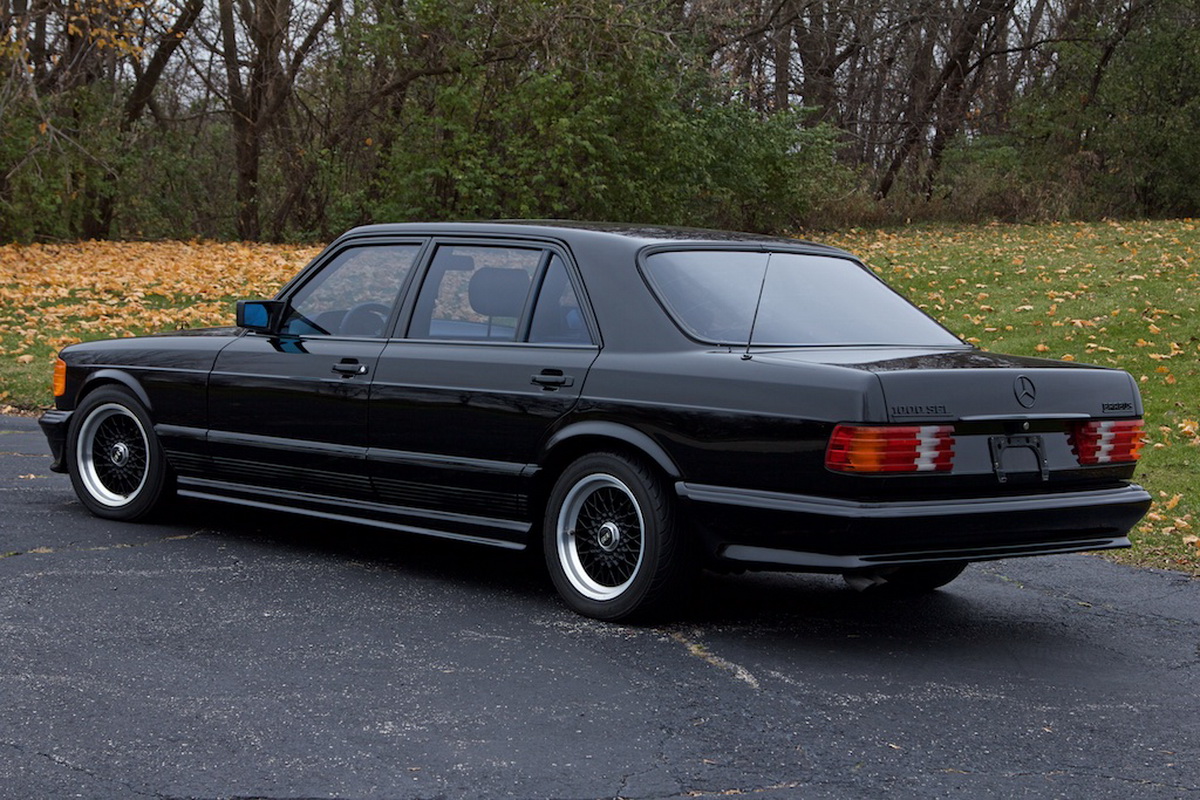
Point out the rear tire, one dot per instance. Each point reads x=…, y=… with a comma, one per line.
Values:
x=115, y=460
x=611, y=540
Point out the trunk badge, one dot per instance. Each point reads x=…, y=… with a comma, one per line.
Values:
x=1025, y=391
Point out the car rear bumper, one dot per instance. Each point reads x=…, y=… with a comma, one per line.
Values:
x=784, y=531
x=54, y=424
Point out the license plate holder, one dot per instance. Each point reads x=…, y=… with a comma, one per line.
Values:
x=998, y=444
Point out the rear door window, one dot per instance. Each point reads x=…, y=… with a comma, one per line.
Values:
x=474, y=292
x=558, y=317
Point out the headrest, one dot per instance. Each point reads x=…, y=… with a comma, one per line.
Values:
x=498, y=292
x=453, y=262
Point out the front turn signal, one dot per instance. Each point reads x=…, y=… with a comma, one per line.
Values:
x=60, y=377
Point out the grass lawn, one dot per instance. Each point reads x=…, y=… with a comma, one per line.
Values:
x=1123, y=294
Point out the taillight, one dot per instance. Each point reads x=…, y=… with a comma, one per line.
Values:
x=60, y=377
x=1107, y=441
x=897, y=448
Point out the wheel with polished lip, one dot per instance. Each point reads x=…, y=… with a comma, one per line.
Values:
x=116, y=462
x=611, y=541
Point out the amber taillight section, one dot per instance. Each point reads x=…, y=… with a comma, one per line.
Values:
x=893, y=448
x=60, y=377
x=1107, y=441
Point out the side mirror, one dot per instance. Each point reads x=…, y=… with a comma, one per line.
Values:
x=260, y=316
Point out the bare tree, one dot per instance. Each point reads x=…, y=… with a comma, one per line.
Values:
x=263, y=45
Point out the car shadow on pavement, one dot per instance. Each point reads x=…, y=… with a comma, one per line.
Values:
x=795, y=604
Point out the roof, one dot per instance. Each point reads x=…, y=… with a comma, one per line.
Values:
x=567, y=230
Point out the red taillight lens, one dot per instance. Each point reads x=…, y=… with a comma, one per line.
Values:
x=1107, y=441
x=899, y=448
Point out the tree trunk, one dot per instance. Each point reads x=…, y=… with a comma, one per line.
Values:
x=955, y=99
x=246, y=150
x=101, y=200
x=963, y=41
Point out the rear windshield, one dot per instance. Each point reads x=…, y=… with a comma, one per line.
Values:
x=805, y=300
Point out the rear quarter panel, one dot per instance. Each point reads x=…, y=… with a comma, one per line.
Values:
x=730, y=421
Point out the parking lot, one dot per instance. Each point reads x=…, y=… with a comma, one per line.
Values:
x=222, y=653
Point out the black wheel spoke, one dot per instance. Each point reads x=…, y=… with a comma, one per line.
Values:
x=121, y=475
x=608, y=505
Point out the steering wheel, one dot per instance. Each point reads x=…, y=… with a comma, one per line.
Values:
x=365, y=319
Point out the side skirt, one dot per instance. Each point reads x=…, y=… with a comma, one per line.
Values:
x=504, y=533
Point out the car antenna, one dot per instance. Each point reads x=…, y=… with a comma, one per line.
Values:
x=754, y=320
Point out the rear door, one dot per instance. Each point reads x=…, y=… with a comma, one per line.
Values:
x=289, y=411
x=496, y=349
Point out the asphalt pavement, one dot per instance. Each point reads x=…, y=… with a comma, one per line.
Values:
x=231, y=654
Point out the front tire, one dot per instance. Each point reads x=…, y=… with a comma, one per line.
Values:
x=611, y=540
x=115, y=460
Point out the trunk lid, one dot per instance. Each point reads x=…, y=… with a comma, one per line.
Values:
x=973, y=385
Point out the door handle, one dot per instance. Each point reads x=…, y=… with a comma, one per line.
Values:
x=349, y=368
x=552, y=379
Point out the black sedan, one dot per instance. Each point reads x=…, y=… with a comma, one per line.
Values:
x=639, y=402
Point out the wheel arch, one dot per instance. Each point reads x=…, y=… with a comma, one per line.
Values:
x=581, y=438
x=113, y=377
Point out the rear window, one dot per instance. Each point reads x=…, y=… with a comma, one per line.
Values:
x=714, y=296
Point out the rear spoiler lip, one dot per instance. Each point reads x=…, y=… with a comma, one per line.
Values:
x=995, y=417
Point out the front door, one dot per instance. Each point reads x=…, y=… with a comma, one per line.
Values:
x=289, y=411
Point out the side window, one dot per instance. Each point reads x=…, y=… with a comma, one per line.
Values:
x=354, y=294
x=475, y=292
x=556, y=316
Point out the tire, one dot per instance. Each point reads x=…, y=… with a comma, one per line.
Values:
x=907, y=580
x=115, y=460
x=611, y=541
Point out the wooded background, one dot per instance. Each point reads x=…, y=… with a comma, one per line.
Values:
x=295, y=119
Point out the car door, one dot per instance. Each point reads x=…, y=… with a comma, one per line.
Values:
x=288, y=410
x=496, y=349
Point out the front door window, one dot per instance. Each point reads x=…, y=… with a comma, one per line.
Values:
x=354, y=294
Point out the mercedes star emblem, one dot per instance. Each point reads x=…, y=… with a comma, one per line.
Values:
x=1025, y=391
